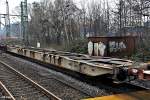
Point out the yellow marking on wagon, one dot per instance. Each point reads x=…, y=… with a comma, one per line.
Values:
x=139, y=95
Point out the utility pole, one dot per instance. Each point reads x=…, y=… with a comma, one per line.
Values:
x=0, y=22
x=6, y=17
x=24, y=21
x=7, y=20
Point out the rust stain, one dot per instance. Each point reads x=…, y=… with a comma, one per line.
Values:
x=115, y=46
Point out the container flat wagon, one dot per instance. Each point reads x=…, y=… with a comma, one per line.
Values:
x=119, y=70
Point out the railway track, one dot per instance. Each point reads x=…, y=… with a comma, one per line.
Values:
x=59, y=87
x=119, y=88
x=48, y=80
x=21, y=87
x=5, y=93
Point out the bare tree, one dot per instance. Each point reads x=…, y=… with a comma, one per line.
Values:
x=63, y=22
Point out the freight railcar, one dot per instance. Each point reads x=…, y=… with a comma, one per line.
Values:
x=120, y=70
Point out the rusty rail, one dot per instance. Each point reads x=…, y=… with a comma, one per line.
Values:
x=45, y=91
x=6, y=92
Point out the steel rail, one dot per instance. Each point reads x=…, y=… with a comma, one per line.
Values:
x=36, y=85
x=6, y=92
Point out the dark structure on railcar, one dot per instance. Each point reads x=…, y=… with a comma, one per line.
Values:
x=117, y=46
x=3, y=47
